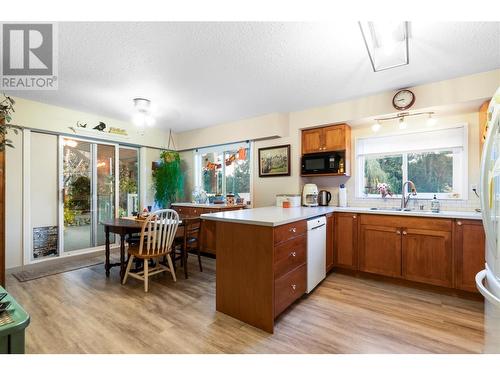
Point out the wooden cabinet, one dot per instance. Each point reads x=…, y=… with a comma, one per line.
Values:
x=427, y=256
x=326, y=138
x=380, y=249
x=208, y=227
x=289, y=288
x=345, y=252
x=330, y=230
x=312, y=141
x=469, y=249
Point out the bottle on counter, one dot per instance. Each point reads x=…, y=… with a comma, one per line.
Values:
x=435, y=205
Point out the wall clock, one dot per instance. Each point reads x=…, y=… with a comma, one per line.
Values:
x=403, y=99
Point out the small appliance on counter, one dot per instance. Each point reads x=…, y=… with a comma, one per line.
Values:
x=342, y=196
x=310, y=195
x=324, y=197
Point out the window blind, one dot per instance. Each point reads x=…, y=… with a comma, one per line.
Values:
x=449, y=138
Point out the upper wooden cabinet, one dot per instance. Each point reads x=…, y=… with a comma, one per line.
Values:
x=326, y=138
x=469, y=241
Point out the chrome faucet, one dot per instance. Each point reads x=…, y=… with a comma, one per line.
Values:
x=404, y=198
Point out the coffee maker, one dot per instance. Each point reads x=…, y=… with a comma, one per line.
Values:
x=310, y=195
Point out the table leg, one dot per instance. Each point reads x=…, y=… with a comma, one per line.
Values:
x=122, y=256
x=106, y=266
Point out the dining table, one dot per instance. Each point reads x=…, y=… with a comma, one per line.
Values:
x=126, y=226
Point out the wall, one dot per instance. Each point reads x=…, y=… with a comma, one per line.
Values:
x=459, y=90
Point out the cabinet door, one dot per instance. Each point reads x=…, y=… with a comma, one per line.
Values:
x=208, y=236
x=346, y=240
x=329, y=241
x=312, y=141
x=380, y=250
x=334, y=138
x=427, y=256
x=469, y=241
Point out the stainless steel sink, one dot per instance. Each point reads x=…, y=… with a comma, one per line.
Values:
x=391, y=209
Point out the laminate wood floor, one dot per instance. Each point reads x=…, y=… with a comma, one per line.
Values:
x=83, y=312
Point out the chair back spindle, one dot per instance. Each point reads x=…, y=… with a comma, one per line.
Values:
x=158, y=232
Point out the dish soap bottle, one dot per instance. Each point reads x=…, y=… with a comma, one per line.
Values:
x=341, y=166
x=435, y=204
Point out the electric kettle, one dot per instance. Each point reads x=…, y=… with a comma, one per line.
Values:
x=324, y=197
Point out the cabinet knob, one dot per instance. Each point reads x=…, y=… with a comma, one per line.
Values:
x=354, y=216
x=459, y=223
x=293, y=254
x=405, y=233
x=293, y=286
x=398, y=232
x=293, y=230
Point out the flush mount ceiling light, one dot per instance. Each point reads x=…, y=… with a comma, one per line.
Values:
x=386, y=43
x=401, y=117
x=142, y=116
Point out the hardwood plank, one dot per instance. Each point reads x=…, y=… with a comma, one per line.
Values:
x=83, y=312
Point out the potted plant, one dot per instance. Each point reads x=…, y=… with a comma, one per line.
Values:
x=167, y=179
x=6, y=110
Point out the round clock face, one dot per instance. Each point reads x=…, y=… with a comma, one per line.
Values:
x=403, y=99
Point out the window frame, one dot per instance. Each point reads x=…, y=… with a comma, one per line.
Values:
x=198, y=168
x=460, y=168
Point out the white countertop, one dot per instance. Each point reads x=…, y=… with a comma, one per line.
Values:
x=274, y=216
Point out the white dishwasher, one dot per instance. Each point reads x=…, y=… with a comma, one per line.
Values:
x=316, y=251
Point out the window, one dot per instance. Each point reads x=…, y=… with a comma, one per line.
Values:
x=434, y=160
x=223, y=170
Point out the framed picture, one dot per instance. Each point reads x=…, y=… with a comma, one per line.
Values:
x=274, y=161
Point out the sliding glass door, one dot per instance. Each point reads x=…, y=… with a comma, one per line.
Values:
x=89, y=189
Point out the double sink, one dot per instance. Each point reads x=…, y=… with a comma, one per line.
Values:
x=393, y=209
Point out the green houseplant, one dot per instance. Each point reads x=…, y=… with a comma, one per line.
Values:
x=6, y=110
x=167, y=179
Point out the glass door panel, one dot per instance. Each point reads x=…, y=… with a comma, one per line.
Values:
x=105, y=189
x=129, y=181
x=77, y=194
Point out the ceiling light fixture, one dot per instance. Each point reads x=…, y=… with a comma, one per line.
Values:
x=376, y=127
x=431, y=121
x=142, y=116
x=386, y=43
x=401, y=117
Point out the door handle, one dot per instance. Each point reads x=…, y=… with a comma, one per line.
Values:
x=405, y=233
x=459, y=223
x=293, y=230
x=293, y=254
x=398, y=232
x=293, y=286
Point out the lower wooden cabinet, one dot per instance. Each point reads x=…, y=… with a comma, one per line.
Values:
x=442, y=252
x=469, y=247
x=330, y=230
x=427, y=256
x=289, y=288
x=380, y=250
x=345, y=252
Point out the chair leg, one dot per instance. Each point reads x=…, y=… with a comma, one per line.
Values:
x=146, y=274
x=170, y=265
x=127, y=270
x=199, y=259
x=185, y=258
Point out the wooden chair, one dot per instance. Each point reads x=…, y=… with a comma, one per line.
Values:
x=157, y=236
x=190, y=239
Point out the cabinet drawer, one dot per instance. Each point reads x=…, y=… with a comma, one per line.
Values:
x=289, y=255
x=289, y=231
x=289, y=288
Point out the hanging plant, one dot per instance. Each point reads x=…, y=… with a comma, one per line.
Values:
x=167, y=179
x=6, y=110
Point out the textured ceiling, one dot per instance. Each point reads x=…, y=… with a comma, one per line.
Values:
x=202, y=74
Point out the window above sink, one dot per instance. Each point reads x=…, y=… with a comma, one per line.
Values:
x=435, y=160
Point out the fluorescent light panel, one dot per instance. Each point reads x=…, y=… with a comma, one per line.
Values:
x=386, y=43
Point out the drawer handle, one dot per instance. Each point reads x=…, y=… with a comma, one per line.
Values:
x=294, y=286
x=293, y=230
x=405, y=233
x=398, y=232
x=293, y=254
x=459, y=223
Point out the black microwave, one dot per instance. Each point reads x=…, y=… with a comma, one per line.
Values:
x=320, y=163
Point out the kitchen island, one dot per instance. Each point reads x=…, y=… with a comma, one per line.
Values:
x=261, y=261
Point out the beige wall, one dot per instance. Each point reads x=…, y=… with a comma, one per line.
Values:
x=460, y=90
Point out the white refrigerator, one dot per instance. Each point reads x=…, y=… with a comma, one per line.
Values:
x=488, y=280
